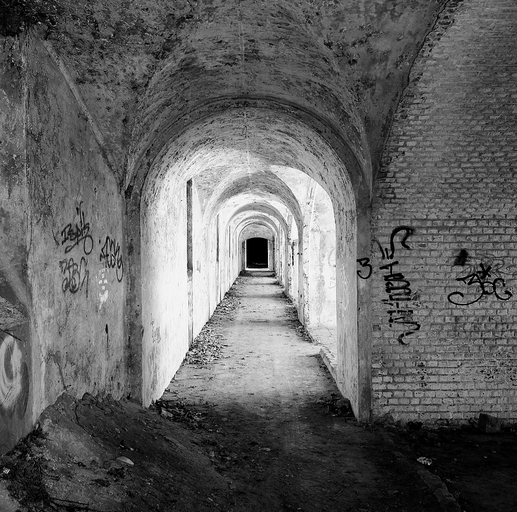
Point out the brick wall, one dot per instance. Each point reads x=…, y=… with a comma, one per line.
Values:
x=445, y=290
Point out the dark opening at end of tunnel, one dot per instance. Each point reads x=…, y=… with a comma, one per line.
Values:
x=256, y=253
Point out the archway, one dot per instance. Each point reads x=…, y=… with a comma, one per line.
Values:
x=231, y=148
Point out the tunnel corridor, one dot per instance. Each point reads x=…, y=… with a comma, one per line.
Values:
x=370, y=146
x=238, y=205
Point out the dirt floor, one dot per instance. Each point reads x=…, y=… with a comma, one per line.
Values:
x=252, y=422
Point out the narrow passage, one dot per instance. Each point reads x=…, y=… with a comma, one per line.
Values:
x=271, y=422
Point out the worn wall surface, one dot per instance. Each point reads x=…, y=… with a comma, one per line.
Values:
x=445, y=260
x=15, y=302
x=164, y=287
x=76, y=243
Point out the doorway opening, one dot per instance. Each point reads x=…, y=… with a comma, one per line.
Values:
x=257, y=253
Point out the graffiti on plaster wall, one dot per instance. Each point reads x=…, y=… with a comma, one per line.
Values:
x=14, y=376
x=75, y=272
x=397, y=287
x=77, y=232
x=111, y=255
x=480, y=283
x=76, y=275
x=366, y=269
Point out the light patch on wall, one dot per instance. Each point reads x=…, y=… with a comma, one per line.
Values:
x=14, y=376
x=103, y=284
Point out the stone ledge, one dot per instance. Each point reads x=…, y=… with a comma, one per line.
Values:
x=330, y=361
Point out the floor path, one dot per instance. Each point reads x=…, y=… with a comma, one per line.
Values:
x=275, y=427
x=259, y=428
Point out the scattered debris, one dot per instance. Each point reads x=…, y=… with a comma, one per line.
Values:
x=207, y=348
x=125, y=460
x=179, y=410
x=426, y=461
x=208, y=345
x=337, y=405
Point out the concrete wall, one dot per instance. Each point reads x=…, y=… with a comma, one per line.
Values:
x=62, y=256
x=201, y=305
x=164, y=286
x=320, y=261
x=166, y=313
x=16, y=408
x=76, y=243
x=444, y=293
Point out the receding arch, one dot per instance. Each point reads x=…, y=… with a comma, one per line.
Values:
x=268, y=138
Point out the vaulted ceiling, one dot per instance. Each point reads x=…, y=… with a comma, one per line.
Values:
x=144, y=66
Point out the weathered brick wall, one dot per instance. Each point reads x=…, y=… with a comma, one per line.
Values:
x=445, y=293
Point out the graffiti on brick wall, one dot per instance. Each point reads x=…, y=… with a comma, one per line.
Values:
x=499, y=266
x=14, y=376
x=397, y=286
x=480, y=281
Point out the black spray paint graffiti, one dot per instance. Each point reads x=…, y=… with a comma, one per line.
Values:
x=482, y=283
x=386, y=253
x=397, y=286
x=111, y=255
x=76, y=275
x=365, y=267
x=75, y=233
x=499, y=267
x=14, y=377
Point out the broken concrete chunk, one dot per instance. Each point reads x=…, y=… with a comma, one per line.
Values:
x=489, y=424
x=125, y=460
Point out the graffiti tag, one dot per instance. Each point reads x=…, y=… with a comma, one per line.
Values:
x=482, y=283
x=365, y=265
x=498, y=266
x=397, y=287
x=76, y=275
x=111, y=255
x=77, y=232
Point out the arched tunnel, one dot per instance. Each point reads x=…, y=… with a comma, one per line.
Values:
x=361, y=151
x=233, y=171
x=284, y=145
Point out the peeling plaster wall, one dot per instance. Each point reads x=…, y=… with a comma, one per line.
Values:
x=201, y=304
x=164, y=285
x=62, y=256
x=444, y=295
x=76, y=245
x=322, y=262
x=16, y=346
